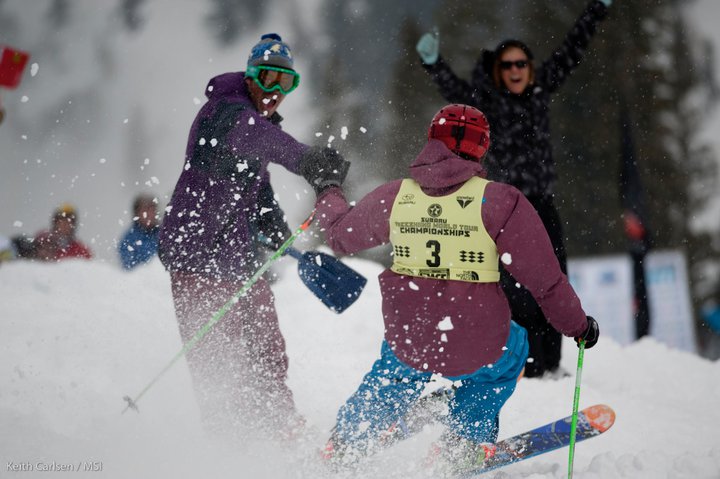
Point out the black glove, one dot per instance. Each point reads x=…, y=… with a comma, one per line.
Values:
x=591, y=334
x=324, y=168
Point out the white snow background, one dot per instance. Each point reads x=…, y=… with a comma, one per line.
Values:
x=77, y=336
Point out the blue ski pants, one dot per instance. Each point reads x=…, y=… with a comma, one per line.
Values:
x=391, y=387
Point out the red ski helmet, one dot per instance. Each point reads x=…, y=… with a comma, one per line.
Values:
x=464, y=130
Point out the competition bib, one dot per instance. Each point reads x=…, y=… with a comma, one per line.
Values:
x=443, y=237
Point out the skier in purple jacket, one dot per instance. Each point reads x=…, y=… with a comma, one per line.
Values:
x=222, y=202
x=443, y=306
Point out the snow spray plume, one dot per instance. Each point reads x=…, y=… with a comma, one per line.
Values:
x=132, y=402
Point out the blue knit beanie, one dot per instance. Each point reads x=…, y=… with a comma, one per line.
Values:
x=271, y=50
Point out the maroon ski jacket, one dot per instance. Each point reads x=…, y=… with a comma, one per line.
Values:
x=413, y=307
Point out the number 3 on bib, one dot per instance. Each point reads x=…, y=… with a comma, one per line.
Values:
x=434, y=247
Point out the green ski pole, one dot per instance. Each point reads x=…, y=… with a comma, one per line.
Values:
x=576, y=402
x=132, y=402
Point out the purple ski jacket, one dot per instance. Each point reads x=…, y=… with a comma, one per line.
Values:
x=223, y=196
x=479, y=314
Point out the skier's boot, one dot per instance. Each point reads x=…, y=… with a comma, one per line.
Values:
x=338, y=455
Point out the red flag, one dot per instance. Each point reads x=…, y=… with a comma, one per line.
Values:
x=12, y=64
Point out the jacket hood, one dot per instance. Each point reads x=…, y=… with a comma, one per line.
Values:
x=436, y=167
x=231, y=87
x=228, y=85
x=511, y=42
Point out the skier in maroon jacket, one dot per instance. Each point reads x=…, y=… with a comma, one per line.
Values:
x=443, y=307
x=516, y=92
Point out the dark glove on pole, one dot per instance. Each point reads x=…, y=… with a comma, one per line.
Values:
x=591, y=334
x=324, y=168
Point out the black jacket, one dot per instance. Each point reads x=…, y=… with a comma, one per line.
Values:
x=520, y=151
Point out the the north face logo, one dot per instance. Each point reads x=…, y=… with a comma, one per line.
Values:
x=469, y=276
x=463, y=201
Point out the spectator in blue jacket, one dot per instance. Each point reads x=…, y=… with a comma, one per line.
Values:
x=140, y=243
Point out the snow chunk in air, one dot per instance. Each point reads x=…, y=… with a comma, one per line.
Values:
x=446, y=324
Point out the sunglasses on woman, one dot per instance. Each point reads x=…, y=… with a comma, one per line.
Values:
x=520, y=64
x=270, y=79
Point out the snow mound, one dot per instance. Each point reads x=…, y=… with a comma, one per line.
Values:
x=80, y=335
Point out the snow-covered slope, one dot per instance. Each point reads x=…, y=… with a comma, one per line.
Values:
x=78, y=336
